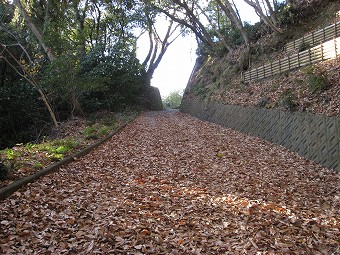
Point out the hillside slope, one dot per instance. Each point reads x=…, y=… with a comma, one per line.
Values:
x=312, y=89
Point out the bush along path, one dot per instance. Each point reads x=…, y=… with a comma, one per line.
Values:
x=172, y=184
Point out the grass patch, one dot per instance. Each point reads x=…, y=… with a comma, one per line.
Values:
x=25, y=159
x=288, y=100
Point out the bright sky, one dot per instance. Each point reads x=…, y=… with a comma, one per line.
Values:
x=176, y=66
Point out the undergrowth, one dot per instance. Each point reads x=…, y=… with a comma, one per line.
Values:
x=316, y=79
x=23, y=159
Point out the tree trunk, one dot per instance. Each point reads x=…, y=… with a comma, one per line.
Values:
x=232, y=15
x=206, y=40
x=155, y=61
x=222, y=37
x=195, y=20
x=149, y=26
x=199, y=31
x=76, y=107
x=265, y=19
x=148, y=56
x=81, y=23
x=48, y=106
x=272, y=14
x=34, y=30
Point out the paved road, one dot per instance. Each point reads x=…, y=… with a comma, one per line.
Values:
x=171, y=184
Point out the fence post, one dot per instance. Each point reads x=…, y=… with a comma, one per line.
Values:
x=280, y=66
x=335, y=47
x=271, y=68
x=321, y=46
x=264, y=71
x=303, y=40
x=324, y=35
x=310, y=56
x=288, y=63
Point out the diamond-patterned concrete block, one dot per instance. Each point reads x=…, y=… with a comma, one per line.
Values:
x=248, y=126
x=293, y=137
x=332, y=158
x=314, y=155
x=288, y=131
x=272, y=128
x=302, y=147
x=332, y=130
x=260, y=122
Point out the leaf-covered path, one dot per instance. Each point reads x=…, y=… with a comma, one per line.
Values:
x=171, y=184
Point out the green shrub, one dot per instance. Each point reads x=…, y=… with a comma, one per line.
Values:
x=235, y=69
x=62, y=149
x=55, y=156
x=38, y=165
x=317, y=84
x=58, y=148
x=89, y=131
x=308, y=70
x=275, y=87
x=173, y=100
x=316, y=80
x=10, y=154
x=287, y=100
x=23, y=117
x=70, y=143
x=255, y=31
x=105, y=130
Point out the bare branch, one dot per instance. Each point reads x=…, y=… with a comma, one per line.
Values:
x=30, y=80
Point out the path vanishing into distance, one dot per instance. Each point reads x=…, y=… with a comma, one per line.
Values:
x=172, y=184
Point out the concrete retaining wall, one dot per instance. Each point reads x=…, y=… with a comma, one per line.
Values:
x=315, y=137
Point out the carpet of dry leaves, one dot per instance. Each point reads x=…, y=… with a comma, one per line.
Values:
x=172, y=184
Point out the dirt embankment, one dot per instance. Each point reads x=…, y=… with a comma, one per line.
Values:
x=314, y=89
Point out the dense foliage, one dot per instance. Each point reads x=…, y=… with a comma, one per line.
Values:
x=63, y=60
x=173, y=100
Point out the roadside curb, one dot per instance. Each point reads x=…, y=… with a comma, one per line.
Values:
x=13, y=187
